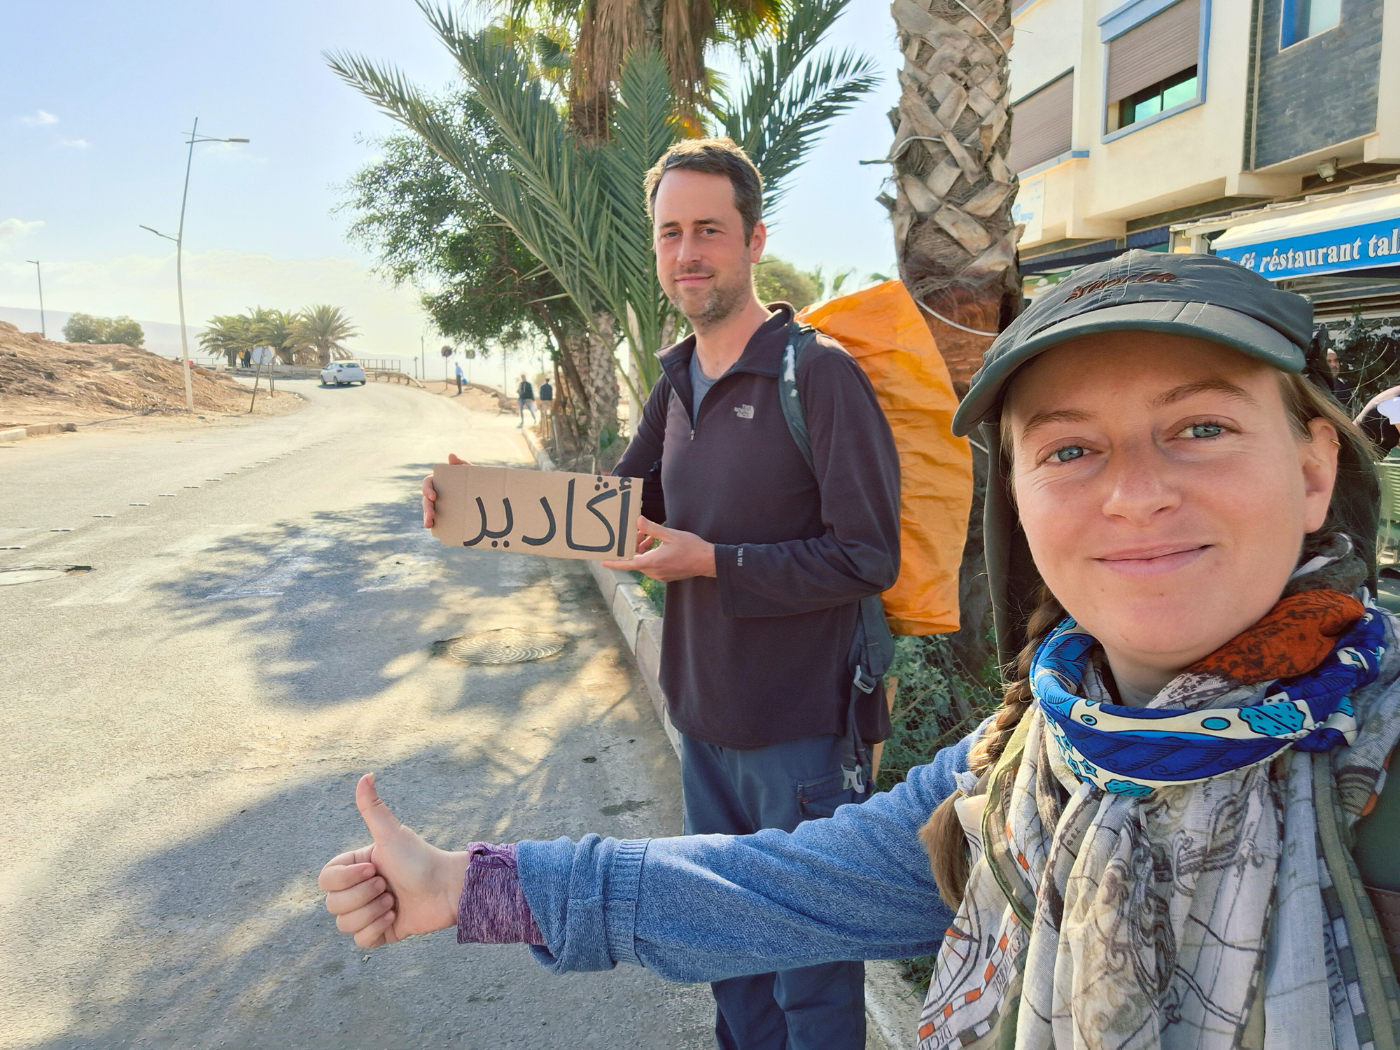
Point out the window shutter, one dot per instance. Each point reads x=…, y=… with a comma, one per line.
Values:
x=1158, y=48
x=1041, y=124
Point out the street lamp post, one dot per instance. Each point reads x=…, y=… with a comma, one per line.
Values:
x=43, y=328
x=179, y=240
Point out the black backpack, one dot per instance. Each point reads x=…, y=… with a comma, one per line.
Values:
x=872, y=647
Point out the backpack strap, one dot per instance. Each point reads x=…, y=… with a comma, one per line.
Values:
x=800, y=337
x=872, y=647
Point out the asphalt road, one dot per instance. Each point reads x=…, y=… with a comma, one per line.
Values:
x=185, y=723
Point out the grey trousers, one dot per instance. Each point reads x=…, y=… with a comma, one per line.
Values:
x=738, y=792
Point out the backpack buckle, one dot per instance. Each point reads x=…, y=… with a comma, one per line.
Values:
x=864, y=682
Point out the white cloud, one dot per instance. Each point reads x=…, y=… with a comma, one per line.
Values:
x=39, y=118
x=13, y=229
x=73, y=143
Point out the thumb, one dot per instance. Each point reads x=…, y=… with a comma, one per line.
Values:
x=650, y=528
x=381, y=822
x=455, y=459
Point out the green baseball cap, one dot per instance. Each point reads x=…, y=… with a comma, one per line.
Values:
x=1203, y=296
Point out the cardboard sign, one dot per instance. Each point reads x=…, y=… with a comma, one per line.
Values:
x=591, y=517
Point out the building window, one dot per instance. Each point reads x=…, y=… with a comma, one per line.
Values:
x=1154, y=66
x=1154, y=98
x=1307, y=18
x=1042, y=124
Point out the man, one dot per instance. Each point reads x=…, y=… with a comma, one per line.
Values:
x=765, y=563
x=459, y=378
x=526, y=395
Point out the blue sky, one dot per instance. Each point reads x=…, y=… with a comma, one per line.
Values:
x=97, y=98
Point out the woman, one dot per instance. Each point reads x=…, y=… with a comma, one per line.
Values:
x=1181, y=548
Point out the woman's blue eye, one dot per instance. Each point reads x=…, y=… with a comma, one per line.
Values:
x=1206, y=430
x=1069, y=452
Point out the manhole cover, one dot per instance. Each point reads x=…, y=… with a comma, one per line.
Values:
x=10, y=577
x=506, y=646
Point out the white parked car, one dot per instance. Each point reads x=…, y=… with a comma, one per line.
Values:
x=339, y=373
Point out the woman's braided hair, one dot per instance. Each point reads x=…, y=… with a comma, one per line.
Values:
x=943, y=835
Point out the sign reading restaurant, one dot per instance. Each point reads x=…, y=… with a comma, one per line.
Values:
x=1326, y=251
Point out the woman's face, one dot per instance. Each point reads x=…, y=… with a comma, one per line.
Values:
x=1163, y=492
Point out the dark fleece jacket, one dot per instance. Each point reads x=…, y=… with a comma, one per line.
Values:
x=758, y=655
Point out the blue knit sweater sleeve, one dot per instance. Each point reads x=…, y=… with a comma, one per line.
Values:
x=705, y=907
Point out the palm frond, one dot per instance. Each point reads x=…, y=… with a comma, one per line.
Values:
x=788, y=96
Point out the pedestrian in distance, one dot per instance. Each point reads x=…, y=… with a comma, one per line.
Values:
x=1177, y=831
x=459, y=378
x=546, y=404
x=526, y=395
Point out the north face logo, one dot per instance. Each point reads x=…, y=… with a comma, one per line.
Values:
x=744, y=411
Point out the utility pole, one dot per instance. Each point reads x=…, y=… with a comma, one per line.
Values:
x=43, y=328
x=179, y=240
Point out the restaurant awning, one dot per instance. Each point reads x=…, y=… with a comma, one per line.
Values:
x=1308, y=240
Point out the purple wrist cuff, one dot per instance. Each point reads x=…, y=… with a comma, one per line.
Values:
x=492, y=909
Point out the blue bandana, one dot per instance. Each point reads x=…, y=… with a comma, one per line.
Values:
x=1133, y=750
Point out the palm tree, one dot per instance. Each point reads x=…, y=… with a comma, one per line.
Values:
x=954, y=237
x=575, y=201
x=322, y=328
x=227, y=334
x=605, y=32
x=276, y=329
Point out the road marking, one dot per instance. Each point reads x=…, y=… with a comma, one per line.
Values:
x=102, y=515
x=138, y=504
x=60, y=530
x=124, y=583
x=165, y=493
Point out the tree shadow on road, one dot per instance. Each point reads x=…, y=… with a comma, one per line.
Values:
x=335, y=607
x=223, y=940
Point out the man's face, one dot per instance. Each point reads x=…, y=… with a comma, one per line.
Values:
x=702, y=261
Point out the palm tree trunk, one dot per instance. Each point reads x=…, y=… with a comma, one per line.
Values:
x=954, y=237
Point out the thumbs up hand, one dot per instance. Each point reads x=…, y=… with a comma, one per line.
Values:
x=398, y=887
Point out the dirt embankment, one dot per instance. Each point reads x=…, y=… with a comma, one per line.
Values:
x=44, y=382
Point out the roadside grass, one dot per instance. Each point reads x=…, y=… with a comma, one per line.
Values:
x=653, y=589
x=937, y=703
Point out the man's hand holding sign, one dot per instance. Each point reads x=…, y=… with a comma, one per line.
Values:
x=676, y=555
x=558, y=514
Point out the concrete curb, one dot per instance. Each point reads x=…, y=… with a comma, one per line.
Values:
x=37, y=430
x=891, y=1007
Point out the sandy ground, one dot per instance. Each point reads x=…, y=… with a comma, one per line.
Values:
x=42, y=381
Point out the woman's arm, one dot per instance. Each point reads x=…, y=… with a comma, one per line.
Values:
x=706, y=907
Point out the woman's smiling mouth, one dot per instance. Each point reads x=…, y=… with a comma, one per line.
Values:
x=1153, y=561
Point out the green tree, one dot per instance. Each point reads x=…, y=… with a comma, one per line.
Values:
x=277, y=329
x=574, y=201
x=778, y=281
x=227, y=334
x=323, y=328
x=85, y=328
x=478, y=283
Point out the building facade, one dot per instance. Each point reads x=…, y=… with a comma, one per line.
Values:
x=1190, y=124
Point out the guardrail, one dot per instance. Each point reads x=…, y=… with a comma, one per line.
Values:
x=396, y=375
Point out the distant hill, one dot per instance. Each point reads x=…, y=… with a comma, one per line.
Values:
x=161, y=338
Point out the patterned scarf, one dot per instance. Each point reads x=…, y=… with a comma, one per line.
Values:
x=1178, y=876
